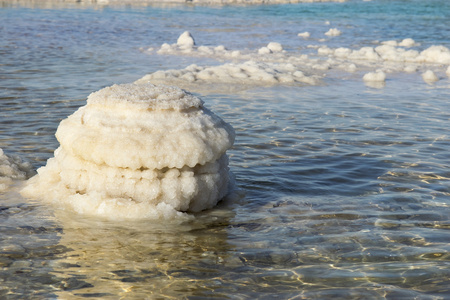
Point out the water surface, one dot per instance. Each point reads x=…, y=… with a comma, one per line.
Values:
x=344, y=188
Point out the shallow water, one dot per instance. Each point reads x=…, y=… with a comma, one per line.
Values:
x=344, y=188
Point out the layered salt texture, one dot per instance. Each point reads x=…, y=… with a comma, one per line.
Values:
x=138, y=151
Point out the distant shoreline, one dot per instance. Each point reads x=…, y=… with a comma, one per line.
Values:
x=153, y=2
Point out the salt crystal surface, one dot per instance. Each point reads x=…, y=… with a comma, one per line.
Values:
x=275, y=47
x=429, y=76
x=264, y=50
x=333, y=32
x=305, y=34
x=186, y=40
x=407, y=43
x=378, y=76
x=435, y=54
x=249, y=72
x=388, y=56
x=137, y=151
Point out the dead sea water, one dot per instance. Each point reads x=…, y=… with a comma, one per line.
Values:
x=344, y=186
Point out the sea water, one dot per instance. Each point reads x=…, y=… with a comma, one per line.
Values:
x=344, y=186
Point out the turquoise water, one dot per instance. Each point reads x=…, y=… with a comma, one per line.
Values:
x=344, y=188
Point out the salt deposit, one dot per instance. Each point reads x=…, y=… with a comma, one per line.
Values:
x=186, y=40
x=390, y=52
x=12, y=168
x=435, y=54
x=272, y=52
x=333, y=32
x=429, y=76
x=408, y=42
x=378, y=76
x=264, y=50
x=272, y=64
x=305, y=34
x=250, y=73
x=138, y=151
x=275, y=47
x=271, y=48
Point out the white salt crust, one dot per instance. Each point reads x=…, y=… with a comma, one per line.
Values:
x=138, y=151
x=186, y=40
x=429, y=76
x=333, y=32
x=433, y=54
x=305, y=34
x=378, y=76
x=272, y=64
x=250, y=72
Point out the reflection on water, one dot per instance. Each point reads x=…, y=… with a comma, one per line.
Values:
x=67, y=257
x=304, y=247
x=140, y=260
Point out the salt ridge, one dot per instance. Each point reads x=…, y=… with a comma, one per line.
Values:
x=272, y=64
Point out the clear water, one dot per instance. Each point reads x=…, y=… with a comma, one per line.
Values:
x=346, y=188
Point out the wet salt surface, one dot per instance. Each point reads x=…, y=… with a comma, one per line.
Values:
x=345, y=187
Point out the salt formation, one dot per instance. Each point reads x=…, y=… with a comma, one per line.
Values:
x=249, y=73
x=305, y=34
x=185, y=40
x=275, y=47
x=407, y=43
x=375, y=79
x=271, y=48
x=138, y=151
x=429, y=76
x=264, y=50
x=333, y=32
x=12, y=168
x=271, y=64
x=390, y=52
x=378, y=76
x=185, y=45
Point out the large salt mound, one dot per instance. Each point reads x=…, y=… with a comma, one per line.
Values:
x=138, y=151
